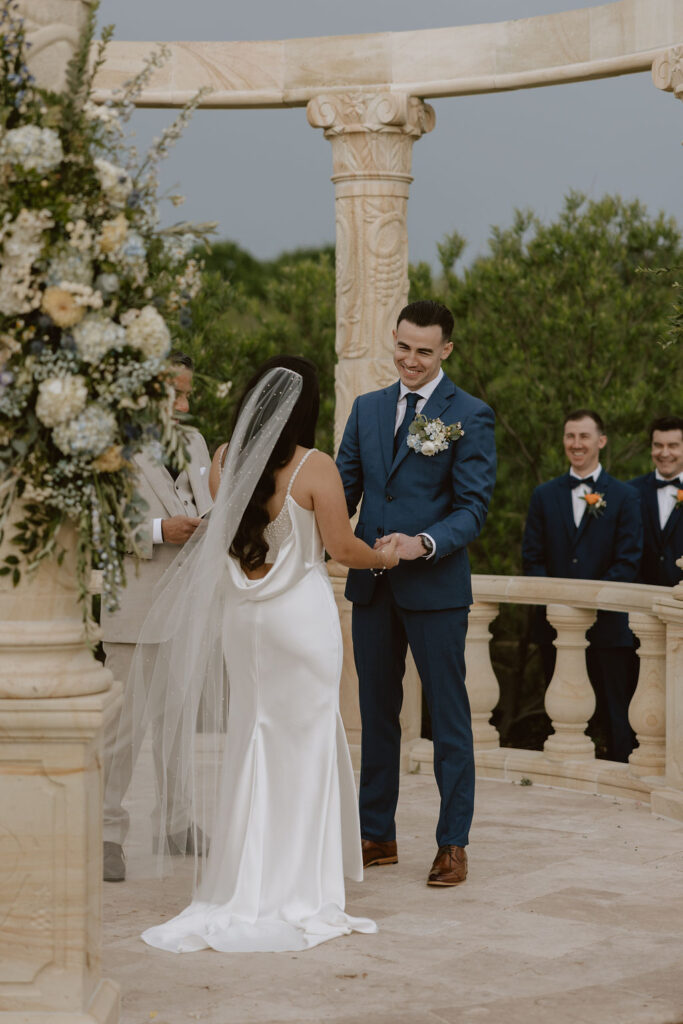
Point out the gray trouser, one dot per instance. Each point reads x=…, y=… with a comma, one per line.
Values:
x=119, y=732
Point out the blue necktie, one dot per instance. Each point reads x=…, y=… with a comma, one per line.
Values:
x=412, y=398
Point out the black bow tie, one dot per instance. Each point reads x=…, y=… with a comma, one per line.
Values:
x=676, y=482
x=574, y=481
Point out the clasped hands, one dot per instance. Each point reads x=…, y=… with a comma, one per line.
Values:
x=396, y=546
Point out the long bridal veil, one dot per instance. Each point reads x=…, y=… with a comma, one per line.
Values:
x=177, y=683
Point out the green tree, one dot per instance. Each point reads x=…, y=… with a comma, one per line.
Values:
x=260, y=310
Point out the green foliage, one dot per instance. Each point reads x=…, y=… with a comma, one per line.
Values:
x=262, y=310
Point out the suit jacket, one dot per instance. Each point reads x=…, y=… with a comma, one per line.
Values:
x=187, y=495
x=445, y=495
x=661, y=548
x=603, y=547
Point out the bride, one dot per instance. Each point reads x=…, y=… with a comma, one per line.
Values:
x=251, y=596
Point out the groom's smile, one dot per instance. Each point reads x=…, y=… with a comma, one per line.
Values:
x=418, y=352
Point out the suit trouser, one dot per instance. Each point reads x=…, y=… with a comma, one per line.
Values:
x=613, y=672
x=382, y=632
x=118, y=773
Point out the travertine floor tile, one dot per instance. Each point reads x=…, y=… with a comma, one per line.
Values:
x=572, y=913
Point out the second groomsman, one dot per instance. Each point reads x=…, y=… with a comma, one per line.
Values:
x=661, y=494
x=587, y=525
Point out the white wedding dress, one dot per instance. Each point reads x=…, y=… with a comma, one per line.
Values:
x=288, y=829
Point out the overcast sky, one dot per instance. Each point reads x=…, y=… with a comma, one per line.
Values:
x=264, y=175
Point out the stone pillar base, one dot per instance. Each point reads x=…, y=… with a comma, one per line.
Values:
x=51, y=861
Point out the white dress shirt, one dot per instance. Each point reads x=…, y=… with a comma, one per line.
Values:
x=425, y=393
x=666, y=499
x=579, y=506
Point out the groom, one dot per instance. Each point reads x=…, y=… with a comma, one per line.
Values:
x=437, y=504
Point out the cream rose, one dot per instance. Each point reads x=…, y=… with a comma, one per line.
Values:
x=113, y=233
x=61, y=306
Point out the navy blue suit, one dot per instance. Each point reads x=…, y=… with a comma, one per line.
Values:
x=606, y=546
x=661, y=548
x=421, y=603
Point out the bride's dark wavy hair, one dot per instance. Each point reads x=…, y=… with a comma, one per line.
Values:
x=249, y=544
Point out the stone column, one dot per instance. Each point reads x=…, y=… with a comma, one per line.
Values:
x=372, y=136
x=54, y=697
x=569, y=699
x=482, y=685
x=647, y=711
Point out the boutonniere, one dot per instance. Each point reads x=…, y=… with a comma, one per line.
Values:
x=427, y=437
x=596, y=503
x=678, y=500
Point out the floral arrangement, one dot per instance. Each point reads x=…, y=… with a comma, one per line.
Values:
x=427, y=437
x=678, y=500
x=91, y=291
x=595, y=502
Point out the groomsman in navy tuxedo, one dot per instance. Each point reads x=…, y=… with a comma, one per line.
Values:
x=436, y=501
x=660, y=494
x=587, y=525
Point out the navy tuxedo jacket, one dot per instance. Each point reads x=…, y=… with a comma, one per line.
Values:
x=603, y=547
x=445, y=495
x=661, y=548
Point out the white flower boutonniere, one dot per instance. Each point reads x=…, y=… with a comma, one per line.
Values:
x=428, y=437
x=595, y=502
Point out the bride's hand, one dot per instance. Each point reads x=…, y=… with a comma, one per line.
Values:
x=388, y=551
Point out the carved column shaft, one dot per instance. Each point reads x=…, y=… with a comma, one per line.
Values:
x=372, y=136
x=482, y=685
x=647, y=711
x=670, y=611
x=569, y=699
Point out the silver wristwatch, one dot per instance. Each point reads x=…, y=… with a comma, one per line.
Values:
x=427, y=544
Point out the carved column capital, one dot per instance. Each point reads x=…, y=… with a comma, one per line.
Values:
x=53, y=28
x=340, y=113
x=667, y=71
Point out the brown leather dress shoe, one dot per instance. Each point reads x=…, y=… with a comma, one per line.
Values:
x=378, y=853
x=449, y=867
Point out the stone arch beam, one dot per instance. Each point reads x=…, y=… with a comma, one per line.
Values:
x=599, y=42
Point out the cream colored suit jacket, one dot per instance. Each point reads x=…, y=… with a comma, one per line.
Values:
x=187, y=495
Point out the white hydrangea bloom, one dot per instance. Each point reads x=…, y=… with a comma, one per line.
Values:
x=90, y=433
x=148, y=332
x=114, y=180
x=96, y=335
x=68, y=264
x=33, y=148
x=23, y=244
x=60, y=399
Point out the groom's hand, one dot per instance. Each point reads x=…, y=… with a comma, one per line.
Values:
x=408, y=548
x=178, y=529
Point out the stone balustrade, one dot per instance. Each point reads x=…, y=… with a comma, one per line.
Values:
x=655, y=769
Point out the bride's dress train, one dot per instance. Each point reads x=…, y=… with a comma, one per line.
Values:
x=287, y=831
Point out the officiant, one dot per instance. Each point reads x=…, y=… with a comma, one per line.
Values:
x=176, y=500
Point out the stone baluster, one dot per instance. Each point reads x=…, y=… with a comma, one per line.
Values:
x=372, y=136
x=647, y=711
x=670, y=611
x=482, y=685
x=569, y=699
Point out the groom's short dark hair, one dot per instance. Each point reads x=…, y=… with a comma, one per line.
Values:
x=428, y=313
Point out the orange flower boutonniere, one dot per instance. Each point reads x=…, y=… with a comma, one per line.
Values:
x=596, y=503
x=678, y=500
